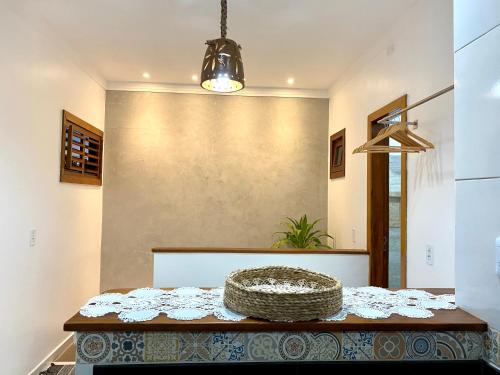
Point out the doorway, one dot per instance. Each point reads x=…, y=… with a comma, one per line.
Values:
x=386, y=208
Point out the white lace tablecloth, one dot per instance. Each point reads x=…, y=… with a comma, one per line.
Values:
x=189, y=303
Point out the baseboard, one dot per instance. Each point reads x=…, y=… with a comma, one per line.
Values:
x=52, y=356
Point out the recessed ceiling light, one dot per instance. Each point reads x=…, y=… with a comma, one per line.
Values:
x=291, y=80
x=146, y=75
x=194, y=77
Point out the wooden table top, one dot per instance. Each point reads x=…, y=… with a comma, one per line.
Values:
x=443, y=320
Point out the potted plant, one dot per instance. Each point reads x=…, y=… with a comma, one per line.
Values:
x=301, y=235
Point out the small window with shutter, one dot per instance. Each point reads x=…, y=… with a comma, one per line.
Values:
x=81, y=151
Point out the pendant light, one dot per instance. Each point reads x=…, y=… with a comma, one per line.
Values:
x=222, y=68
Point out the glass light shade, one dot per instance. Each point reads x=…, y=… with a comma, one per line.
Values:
x=222, y=69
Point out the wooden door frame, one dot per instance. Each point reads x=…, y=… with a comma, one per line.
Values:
x=399, y=103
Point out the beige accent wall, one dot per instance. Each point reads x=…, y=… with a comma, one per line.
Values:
x=205, y=170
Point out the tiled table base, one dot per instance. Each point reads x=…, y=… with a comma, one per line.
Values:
x=491, y=344
x=194, y=347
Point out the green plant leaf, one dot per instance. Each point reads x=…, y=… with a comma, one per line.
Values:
x=301, y=234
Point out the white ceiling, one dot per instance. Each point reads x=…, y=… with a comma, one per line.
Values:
x=313, y=41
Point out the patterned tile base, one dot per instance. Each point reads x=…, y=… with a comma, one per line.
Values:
x=491, y=349
x=191, y=347
x=161, y=347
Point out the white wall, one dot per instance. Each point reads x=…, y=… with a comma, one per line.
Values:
x=477, y=160
x=42, y=286
x=189, y=269
x=415, y=57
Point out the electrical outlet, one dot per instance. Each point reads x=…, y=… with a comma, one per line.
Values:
x=429, y=255
x=33, y=237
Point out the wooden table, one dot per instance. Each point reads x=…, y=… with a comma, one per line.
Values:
x=450, y=334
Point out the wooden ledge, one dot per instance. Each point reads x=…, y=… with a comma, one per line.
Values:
x=257, y=250
x=443, y=320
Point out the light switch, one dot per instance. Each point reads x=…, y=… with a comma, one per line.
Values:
x=33, y=237
x=429, y=255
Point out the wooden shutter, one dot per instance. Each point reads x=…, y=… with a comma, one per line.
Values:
x=81, y=151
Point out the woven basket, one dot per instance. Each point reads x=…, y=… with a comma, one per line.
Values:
x=321, y=298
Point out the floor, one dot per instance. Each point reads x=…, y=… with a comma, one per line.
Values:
x=62, y=365
x=58, y=369
x=68, y=355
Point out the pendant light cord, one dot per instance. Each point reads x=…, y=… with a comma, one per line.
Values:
x=223, y=18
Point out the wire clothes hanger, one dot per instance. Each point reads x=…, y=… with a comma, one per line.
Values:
x=409, y=141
